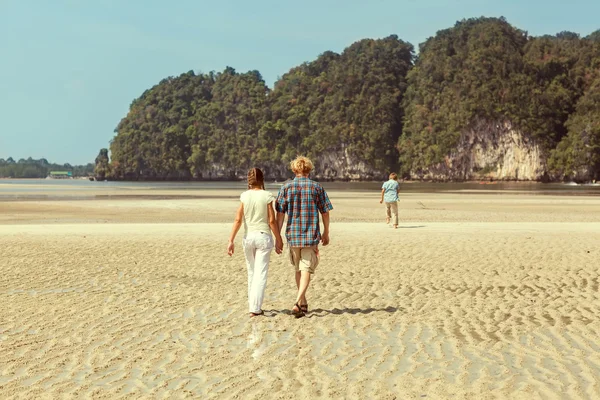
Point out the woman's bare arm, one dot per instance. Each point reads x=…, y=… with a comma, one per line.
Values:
x=237, y=224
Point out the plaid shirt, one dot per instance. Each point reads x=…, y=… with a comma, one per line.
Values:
x=302, y=199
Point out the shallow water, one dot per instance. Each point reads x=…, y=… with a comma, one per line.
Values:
x=49, y=187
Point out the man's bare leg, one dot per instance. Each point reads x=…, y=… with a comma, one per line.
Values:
x=298, y=275
x=303, y=286
x=303, y=300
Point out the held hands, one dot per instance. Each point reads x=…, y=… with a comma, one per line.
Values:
x=279, y=245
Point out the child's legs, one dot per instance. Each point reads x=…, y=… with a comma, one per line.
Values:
x=394, y=207
x=388, y=211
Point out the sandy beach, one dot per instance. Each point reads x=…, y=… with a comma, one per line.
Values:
x=476, y=296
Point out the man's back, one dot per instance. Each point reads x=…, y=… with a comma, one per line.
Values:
x=302, y=199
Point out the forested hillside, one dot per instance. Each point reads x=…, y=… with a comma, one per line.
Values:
x=482, y=100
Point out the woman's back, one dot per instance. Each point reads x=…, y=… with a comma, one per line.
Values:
x=256, y=217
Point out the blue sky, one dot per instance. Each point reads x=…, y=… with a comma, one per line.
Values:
x=70, y=68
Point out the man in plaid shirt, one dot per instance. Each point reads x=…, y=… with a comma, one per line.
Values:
x=302, y=200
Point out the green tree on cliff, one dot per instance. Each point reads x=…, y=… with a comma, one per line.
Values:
x=348, y=103
x=595, y=36
x=486, y=70
x=188, y=126
x=368, y=105
x=578, y=155
x=473, y=71
x=102, y=167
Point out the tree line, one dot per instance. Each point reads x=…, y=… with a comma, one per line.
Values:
x=30, y=168
x=376, y=103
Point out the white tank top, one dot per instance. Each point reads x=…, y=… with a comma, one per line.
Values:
x=256, y=217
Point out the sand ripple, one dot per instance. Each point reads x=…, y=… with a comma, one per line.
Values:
x=443, y=310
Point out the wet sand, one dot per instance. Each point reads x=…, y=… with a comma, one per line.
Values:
x=476, y=296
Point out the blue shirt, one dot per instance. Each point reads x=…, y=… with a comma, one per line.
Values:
x=391, y=191
x=302, y=200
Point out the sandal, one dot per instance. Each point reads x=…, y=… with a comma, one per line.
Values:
x=252, y=315
x=299, y=313
x=304, y=308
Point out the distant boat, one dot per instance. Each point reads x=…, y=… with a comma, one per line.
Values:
x=60, y=175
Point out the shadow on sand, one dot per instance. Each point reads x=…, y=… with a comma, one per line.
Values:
x=320, y=313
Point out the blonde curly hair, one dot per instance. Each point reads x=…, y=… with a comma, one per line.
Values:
x=301, y=165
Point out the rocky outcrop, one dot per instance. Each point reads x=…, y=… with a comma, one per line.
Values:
x=490, y=150
x=329, y=166
x=580, y=175
x=485, y=151
x=340, y=165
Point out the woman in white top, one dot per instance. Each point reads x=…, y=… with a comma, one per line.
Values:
x=258, y=216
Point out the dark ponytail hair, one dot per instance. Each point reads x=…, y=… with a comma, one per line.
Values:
x=256, y=178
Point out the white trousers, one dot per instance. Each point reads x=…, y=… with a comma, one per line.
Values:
x=257, y=249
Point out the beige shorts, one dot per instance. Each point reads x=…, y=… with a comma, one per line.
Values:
x=305, y=258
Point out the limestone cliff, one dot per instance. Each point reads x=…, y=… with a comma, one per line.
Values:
x=486, y=150
x=332, y=165
x=490, y=150
x=340, y=165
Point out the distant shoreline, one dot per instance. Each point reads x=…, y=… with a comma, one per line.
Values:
x=482, y=181
x=487, y=182
x=522, y=183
